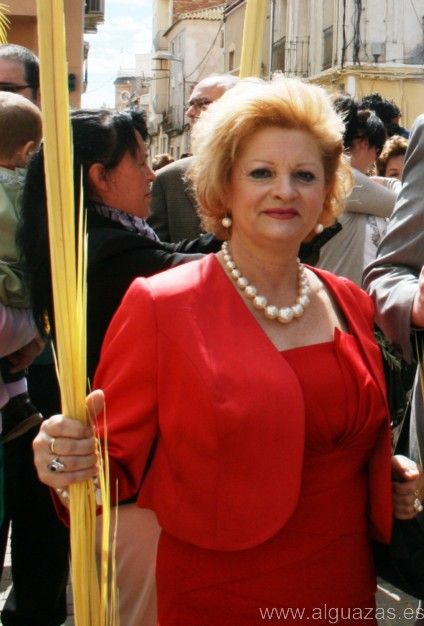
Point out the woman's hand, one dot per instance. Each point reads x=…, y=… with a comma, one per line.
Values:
x=65, y=448
x=407, y=487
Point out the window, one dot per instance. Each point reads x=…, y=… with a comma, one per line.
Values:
x=327, y=48
x=94, y=6
x=279, y=55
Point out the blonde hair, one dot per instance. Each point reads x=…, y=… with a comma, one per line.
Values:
x=227, y=125
x=20, y=122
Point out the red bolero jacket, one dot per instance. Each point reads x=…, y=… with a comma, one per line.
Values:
x=185, y=362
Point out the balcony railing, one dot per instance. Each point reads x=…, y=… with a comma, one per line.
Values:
x=95, y=6
x=291, y=57
x=94, y=15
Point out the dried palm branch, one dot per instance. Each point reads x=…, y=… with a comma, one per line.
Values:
x=253, y=36
x=68, y=254
x=4, y=22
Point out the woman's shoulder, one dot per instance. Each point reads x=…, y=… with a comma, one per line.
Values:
x=346, y=291
x=179, y=281
x=340, y=282
x=113, y=244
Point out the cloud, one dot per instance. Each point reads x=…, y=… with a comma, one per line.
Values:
x=127, y=31
x=122, y=23
x=123, y=31
x=105, y=63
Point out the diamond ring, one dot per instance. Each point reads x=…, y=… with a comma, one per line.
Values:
x=56, y=465
x=418, y=507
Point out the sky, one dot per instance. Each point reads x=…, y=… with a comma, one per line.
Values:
x=127, y=30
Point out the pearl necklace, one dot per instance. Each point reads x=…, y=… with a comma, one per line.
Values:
x=283, y=315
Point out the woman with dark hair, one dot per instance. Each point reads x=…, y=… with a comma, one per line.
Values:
x=370, y=204
x=364, y=135
x=388, y=111
x=110, y=152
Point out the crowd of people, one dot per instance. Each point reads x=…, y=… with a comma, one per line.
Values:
x=231, y=342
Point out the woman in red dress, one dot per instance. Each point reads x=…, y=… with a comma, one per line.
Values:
x=258, y=383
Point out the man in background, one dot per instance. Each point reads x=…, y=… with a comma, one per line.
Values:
x=173, y=209
x=19, y=72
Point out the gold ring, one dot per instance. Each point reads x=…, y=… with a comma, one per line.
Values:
x=52, y=450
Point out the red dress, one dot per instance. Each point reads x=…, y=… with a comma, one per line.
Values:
x=318, y=567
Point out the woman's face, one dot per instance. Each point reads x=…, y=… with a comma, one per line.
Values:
x=129, y=183
x=394, y=166
x=277, y=187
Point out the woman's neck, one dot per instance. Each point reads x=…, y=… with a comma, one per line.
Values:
x=272, y=269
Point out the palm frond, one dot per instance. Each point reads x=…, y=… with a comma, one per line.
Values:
x=4, y=22
x=67, y=243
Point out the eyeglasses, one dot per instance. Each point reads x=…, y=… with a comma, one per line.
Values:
x=199, y=103
x=14, y=88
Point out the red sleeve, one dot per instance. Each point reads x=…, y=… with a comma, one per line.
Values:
x=127, y=374
x=365, y=302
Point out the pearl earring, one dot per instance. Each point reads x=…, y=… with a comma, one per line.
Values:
x=319, y=228
x=226, y=221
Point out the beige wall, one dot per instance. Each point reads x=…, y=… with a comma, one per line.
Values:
x=23, y=31
x=234, y=36
x=197, y=37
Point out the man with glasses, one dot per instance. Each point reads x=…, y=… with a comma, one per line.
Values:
x=173, y=209
x=207, y=91
x=19, y=72
x=39, y=541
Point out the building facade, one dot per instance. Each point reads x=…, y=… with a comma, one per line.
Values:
x=352, y=46
x=132, y=85
x=188, y=45
x=80, y=16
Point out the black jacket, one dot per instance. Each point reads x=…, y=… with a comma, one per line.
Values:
x=115, y=257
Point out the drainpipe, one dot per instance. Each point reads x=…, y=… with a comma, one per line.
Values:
x=271, y=36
